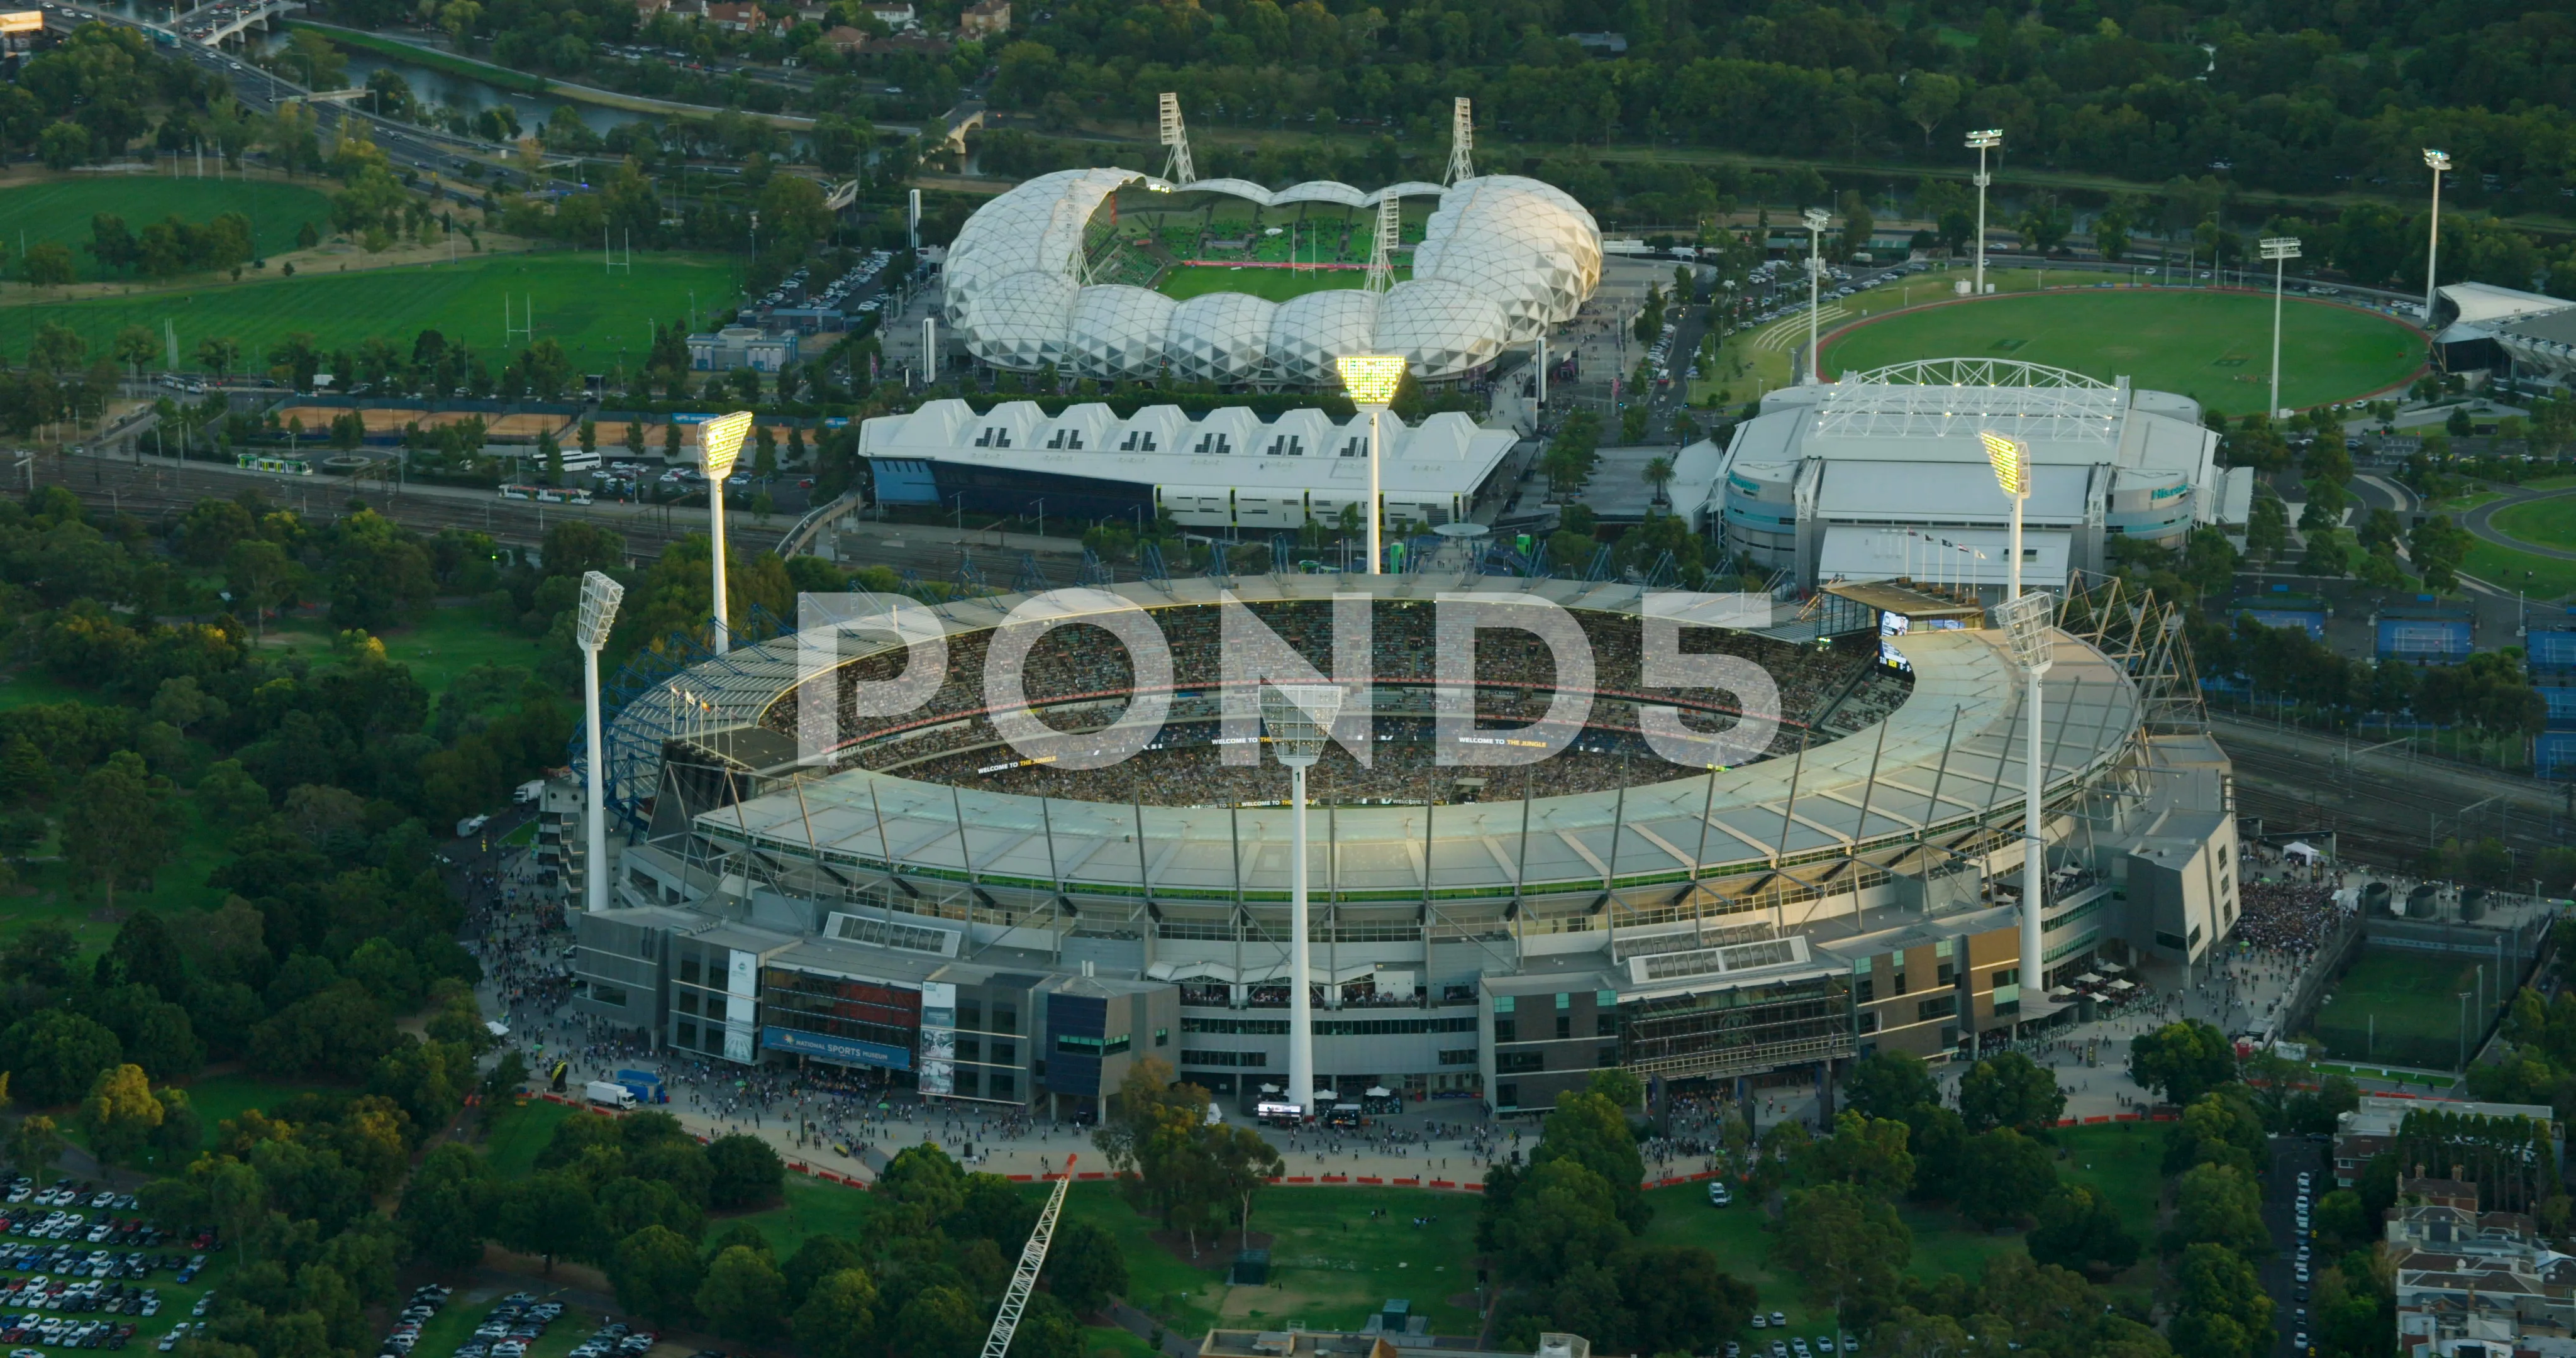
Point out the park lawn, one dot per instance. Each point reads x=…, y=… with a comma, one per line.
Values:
x=1108, y=1341
x=2542, y=523
x=2542, y=578
x=30, y=686
x=2212, y=346
x=218, y=1097
x=2462, y=504
x=59, y=209
x=518, y=1134
x=1278, y=285
x=454, y=638
x=178, y=889
x=812, y=1208
x=596, y=317
x=2122, y=1161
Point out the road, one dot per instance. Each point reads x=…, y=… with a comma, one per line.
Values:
x=2290, y=1156
x=2481, y=520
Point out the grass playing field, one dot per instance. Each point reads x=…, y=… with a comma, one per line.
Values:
x=60, y=210
x=2542, y=523
x=2212, y=346
x=1278, y=285
x=595, y=317
x=2402, y=1006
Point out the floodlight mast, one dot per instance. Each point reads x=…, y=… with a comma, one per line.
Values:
x=719, y=445
x=1982, y=142
x=2437, y=162
x=1298, y=719
x=599, y=599
x=1372, y=380
x=2280, y=250
x=2024, y=618
x=1816, y=219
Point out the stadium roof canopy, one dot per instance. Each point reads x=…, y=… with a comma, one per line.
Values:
x=1502, y=258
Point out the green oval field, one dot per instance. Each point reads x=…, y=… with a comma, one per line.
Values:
x=2215, y=347
x=2543, y=523
x=60, y=209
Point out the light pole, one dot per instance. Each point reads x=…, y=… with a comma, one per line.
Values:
x=719, y=443
x=1372, y=380
x=1298, y=719
x=2024, y=620
x=2280, y=250
x=2437, y=162
x=599, y=599
x=1816, y=220
x=1982, y=142
x=2464, y=1030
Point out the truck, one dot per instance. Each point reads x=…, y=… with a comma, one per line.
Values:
x=646, y=1086
x=608, y=1094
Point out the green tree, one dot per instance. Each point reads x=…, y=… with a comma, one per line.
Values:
x=48, y=264
x=135, y=347
x=35, y=1144
x=2010, y=1090
x=2182, y=1060
x=2220, y=1205
x=2078, y=1226
x=217, y=354
x=657, y=1275
x=53, y=1055
x=1864, y=1151
x=938, y=1322
x=551, y=1215
x=1888, y=1084
x=1084, y=1267
x=747, y=1172
x=2222, y=1311
x=839, y=1317
x=2004, y=1177
x=443, y=1205
x=1847, y=1247
x=744, y=1296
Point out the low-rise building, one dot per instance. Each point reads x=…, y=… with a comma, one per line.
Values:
x=2373, y=1126
x=2472, y=1284
x=984, y=18
x=740, y=346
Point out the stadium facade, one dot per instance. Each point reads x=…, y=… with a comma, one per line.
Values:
x=911, y=895
x=1226, y=469
x=1503, y=259
x=1881, y=475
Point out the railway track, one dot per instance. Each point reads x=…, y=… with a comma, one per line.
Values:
x=2388, y=821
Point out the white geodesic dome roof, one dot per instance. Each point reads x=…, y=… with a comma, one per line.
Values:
x=1313, y=330
x=1503, y=258
x=1221, y=337
x=1118, y=331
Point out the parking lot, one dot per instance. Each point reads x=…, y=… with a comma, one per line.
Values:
x=2299, y=1177
x=81, y=1268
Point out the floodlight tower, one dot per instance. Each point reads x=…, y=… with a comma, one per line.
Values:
x=599, y=600
x=1817, y=218
x=2280, y=250
x=2437, y=162
x=719, y=443
x=1175, y=139
x=1372, y=380
x=1298, y=719
x=2024, y=620
x=1462, y=141
x=1982, y=142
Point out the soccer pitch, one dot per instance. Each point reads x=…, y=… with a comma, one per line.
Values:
x=596, y=316
x=1185, y=281
x=2402, y=1006
x=2213, y=346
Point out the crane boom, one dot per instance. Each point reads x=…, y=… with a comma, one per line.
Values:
x=1024, y=1279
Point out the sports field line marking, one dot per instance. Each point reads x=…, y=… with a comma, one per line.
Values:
x=1788, y=333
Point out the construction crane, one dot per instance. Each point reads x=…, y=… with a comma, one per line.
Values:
x=1025, y=1277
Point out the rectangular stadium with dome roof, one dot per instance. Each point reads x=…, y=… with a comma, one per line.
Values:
x=1881, y=475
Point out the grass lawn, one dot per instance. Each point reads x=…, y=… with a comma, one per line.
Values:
x=59, y=209
x=450, y=641
x=1101, y=1341
x=2543, y=523
x=1277, y=285
x=1332, y=1264
x=2212, y=346
x=2123, y=1161
x=178, y=889
x=595, y=317
x=2398, y=1005
x=31, y=686
x=218, y=1097
x=519, y=1134
x=812, y=1208
x=2541, y=577
x=2462, y=504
